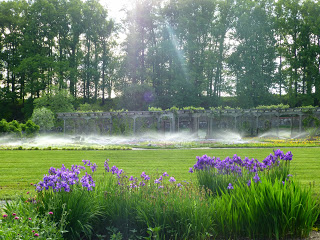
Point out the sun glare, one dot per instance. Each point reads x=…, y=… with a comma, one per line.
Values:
x=116, y=7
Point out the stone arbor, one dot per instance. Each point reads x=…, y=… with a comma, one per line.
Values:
x=249, y=121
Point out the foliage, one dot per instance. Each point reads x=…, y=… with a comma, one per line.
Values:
x=154, y=109
x=213, y=173
x=312, y=132
x=14, y=127
x=279, y=106
x=308, y=107
x=251, y=197
x=193, y=109
x=266, y=210
x=123, y=126
x=4, y=126
x=311, y=121
x=136, y=97
x=179, y=60
x=86, y=107
x=173, y=109
x=21, y=220
x=159, y=206
x=30, y=128
x=56, y=101
x=44, y=118
x=64, y=187
x=119, y=111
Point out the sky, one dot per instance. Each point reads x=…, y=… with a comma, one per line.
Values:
x=115, y=8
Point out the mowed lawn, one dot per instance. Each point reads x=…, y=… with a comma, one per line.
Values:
x=20, y=169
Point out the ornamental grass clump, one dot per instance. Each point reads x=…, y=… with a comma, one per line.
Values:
x=216, y=174
x=266, y=210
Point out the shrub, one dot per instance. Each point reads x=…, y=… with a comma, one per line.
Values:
x=30, y=128
x=279, y=106
x=57, y=101
x=44, y=118
x=154, y=109
x=4, y=126
x=10, y=127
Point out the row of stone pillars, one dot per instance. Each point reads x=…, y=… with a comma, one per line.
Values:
x=194, y=122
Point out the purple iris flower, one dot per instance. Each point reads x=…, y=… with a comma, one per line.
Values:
x=256, y=178
x=172, y=179
x=230, y=186
x=106, y=165
x=157, y=181
x=147, y=178
x=93, y=167
x=249, y=183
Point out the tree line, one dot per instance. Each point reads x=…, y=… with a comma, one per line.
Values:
x=202, y=53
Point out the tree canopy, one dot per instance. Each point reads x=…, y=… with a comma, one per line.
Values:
x=182, y=52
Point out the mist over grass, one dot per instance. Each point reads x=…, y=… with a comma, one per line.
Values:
x=61, y=140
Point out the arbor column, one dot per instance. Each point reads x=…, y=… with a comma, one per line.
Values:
x=257, y=123
x=209, y=127
x=110, y=130
x=64, y=126
x=178, y=130
x=172, y=124
x=134, y=124
x=278, y=124
x=158, y=123
x=300, y=123
x=195, y=123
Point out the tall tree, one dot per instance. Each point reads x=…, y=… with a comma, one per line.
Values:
x=12, y=16
x=254, y=56
x=291, y=10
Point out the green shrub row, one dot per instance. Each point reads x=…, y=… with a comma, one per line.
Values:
x=28, y=129
x=191, y=108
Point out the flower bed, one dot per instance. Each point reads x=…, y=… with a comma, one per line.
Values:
x=232, y=198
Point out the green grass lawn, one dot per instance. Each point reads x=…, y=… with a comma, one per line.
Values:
x=18, y=169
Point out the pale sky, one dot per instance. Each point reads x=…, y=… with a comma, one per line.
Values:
x=115, y=8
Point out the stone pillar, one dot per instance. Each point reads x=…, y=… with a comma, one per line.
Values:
x=257, y=124
x=172, y=124
x=134, y=124
x=87, y=128
x=209, y=127
x=178, y=125
x=195, y=124
x=158, y=123
x=278, y=124
x=300, y=123
x=64, y=126
x=291, y=126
